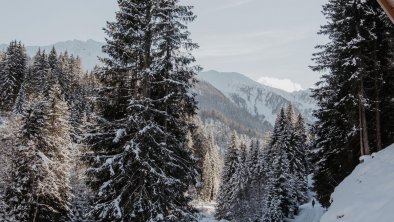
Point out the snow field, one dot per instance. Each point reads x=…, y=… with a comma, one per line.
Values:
x=367, y=194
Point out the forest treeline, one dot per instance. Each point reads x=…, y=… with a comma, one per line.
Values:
x=266, y=183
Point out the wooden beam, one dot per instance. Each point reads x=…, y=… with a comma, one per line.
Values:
x=388, y=8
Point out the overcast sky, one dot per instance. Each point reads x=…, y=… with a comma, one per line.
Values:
x=254, y=37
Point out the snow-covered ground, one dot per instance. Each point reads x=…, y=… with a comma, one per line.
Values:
x=207, y=212
x=308, y=213
x=367, y=195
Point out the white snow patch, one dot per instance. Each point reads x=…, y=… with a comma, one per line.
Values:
x=284, y=84
x=367, y=193
x=119, y=134
x=44, y=158
x=3, y=122
x=207, y=211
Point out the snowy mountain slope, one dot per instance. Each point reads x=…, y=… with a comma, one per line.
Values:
x=261, y=101
x=213, y=104
x=88, y=50
x=367, y=193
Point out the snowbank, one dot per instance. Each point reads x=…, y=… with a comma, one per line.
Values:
x=367, y=195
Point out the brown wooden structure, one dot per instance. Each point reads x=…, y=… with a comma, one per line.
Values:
x=388, y=6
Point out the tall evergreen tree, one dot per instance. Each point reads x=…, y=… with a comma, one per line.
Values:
x=280, y=200
x=21, y=100
x=301, y=159
x=239, y=183
x=226, y=199
x=210, y=171
x=255, y=187
x=141, y=167
x=39, y=75
x=297, y=154
x=12, y=72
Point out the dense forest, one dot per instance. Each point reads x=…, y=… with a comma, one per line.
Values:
x=123, y=142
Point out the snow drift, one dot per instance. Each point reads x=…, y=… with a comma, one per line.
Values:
x=367, y=194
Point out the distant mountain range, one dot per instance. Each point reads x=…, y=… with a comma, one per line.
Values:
x=230, y=98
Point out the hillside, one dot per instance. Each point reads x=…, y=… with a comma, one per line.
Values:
x=213, y=104
x=367, y=193
x=261, y=101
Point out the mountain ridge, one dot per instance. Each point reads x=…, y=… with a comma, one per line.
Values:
x=260, y=100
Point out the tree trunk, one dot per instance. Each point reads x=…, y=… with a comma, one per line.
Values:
x=360, y=125
x=147, y=53
x=377, y=116
x=364, y=141
x=377, y=84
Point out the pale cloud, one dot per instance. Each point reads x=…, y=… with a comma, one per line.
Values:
x=284, y=84
x=234, y=4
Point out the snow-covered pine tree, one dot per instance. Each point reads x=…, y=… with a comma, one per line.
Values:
x=280, y=187
x=290, y=114
x=349, y=96
x=39, y=75
x=39, y=188
x=141, y=167
x=206, y=191
x=297, y=154
x=210, y=171
x=226, y=199
x=54, y=66
x=256, y=180
x=197, y=142
x=67, y=70
x=21, y=100
x=77, y=100
x=239, y=183
x=301, y=175
x=12, y=72
x=57, y=130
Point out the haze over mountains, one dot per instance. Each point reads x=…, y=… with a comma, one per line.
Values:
x=227, y=98
x=89, y=50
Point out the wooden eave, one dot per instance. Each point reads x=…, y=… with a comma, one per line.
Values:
x=388, y=7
